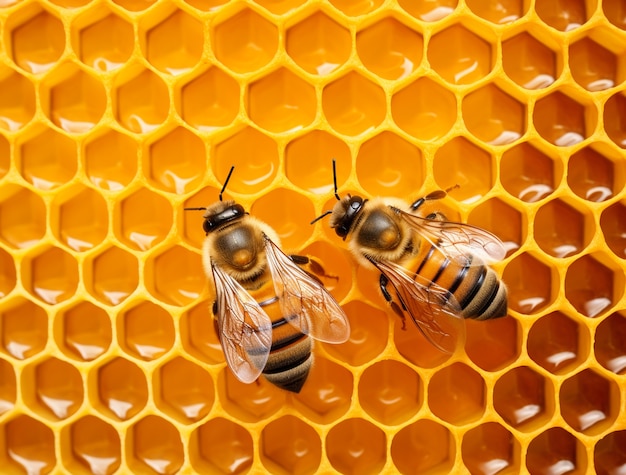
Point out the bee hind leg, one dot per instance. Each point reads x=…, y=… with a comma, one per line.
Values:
x=394, y=306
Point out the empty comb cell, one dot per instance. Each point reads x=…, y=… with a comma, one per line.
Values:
x=116, y=116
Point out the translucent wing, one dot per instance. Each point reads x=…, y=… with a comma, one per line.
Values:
x=433, y=309
x=458, y=239
x=304, y=301
x=245, y=329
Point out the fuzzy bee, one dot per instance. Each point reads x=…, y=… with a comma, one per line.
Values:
x=438, y=269
x=267, y=306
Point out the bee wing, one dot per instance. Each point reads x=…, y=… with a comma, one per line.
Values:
x=458, y=239
x=310, y=307
x=245, y=329
x=433, y=309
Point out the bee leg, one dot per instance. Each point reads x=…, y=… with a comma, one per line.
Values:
x=394, y=306
x=314, y=266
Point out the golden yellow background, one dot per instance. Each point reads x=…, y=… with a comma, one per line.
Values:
x=115, y=115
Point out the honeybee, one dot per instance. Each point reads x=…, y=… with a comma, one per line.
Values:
x=266, y=307
x=438, y=269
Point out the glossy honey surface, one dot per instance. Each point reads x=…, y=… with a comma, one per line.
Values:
x=116, y=115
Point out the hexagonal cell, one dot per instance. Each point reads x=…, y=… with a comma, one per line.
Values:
x=107, y=44
x=8, y=278
x=424, y=109
x=593, y=285
x=561, y=120
x=563, y=15
x=556, y=451
x=424, y=446
x=461, y=162
x=456, y=394
x=141, y=103
x=48, y=160
x=245, y=42
x=489, y=448
x=174, y=46
x=308, y=162
x=73, y=100
x=176, y=276
x=529, y=174
x=146, y=219
x=459, y=56
x=524, y=398
x=111, y=160
x=609, y=455
x=112, y=276
x=615, y=119
x=156, y=444
x=81, y=222
x=122, y=388
x=17, y=101
x=177, y=161
x=557, y=343
x=409, y=341
x=500, y=12
x=29, y=446
x=318, y=44
x=53, y=276
x=390, y=392
x=493, y=344
x=289, y=444
x=562, y=230
x=24, y=329
x=221, y=446
x=134, y=5
x=530, y=283
x=390, y=49
x=210, y=100
x=281, y=102
x=327, y=393
x=184, y=390
x=38, y=42
x=53, y=388
x=593, y=176
x=254, y=156
x=146, y=331
x=429, y=10
x=615, y=12
x=248, y=402
x=84, y=330
x=96, y=447
x=8, y=387
x=610, y=343
x=337, y=268
x=356, y=446
x=288, y=213
x=589, y=402
x=198, y=334
x=22, y=218
x=494, y=117
x=399, y=166
x=503, y=220
x=345, y=108
x=593, y=66
x=529, y=62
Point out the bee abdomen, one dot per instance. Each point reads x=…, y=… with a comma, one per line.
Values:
x=289, y=362
x=481, y=294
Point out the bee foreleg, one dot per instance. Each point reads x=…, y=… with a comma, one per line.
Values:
x=394, y=306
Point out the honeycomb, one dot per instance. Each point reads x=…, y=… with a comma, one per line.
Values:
x=116, y=115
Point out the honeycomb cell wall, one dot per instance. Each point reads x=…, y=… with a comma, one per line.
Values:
x=116, y=115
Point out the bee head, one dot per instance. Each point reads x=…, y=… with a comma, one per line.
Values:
x=344, y=213
x=221, y=213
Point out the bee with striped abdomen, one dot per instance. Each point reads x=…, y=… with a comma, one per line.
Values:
x=438, y=269
x=267, y=307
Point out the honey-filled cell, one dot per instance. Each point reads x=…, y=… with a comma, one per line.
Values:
x=593, y=66
x=457, y=394
x=424, y=446
x=8, y=387
x=564, y=15
x=615, y=12
x=53, y=276
x=318, y=44
x=499, y=12
x=22, y=217
x=562, y=230
x=529, y=62
x=398, y=165
x=156, y=444
x=503, y=220
x=490, y=448
x=563, y=121
x=221, y=446
x=83, y=331
x=146, y=331
x=143, y=219
x=390, y=392
x=493, y=344
x=95, y=447
x=609, y=455
x=594, y=176
x=356, y=446
x=111, y=160
x=30, y=446
x=291, y=445
x=17, y=101
x=112, y=275
x=615, y=119
x=429, y=10
x=530, y=283
x=105, y=44
x=54, y=388
x=8, y=278
x=610, y=343
x=119, y=389
x=424, y=109
x=24, y=328
x=556, y=451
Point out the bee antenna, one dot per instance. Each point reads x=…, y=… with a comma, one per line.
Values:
x=335, y=180
x=321, y=216
x=226, y=181
x=194, y=209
